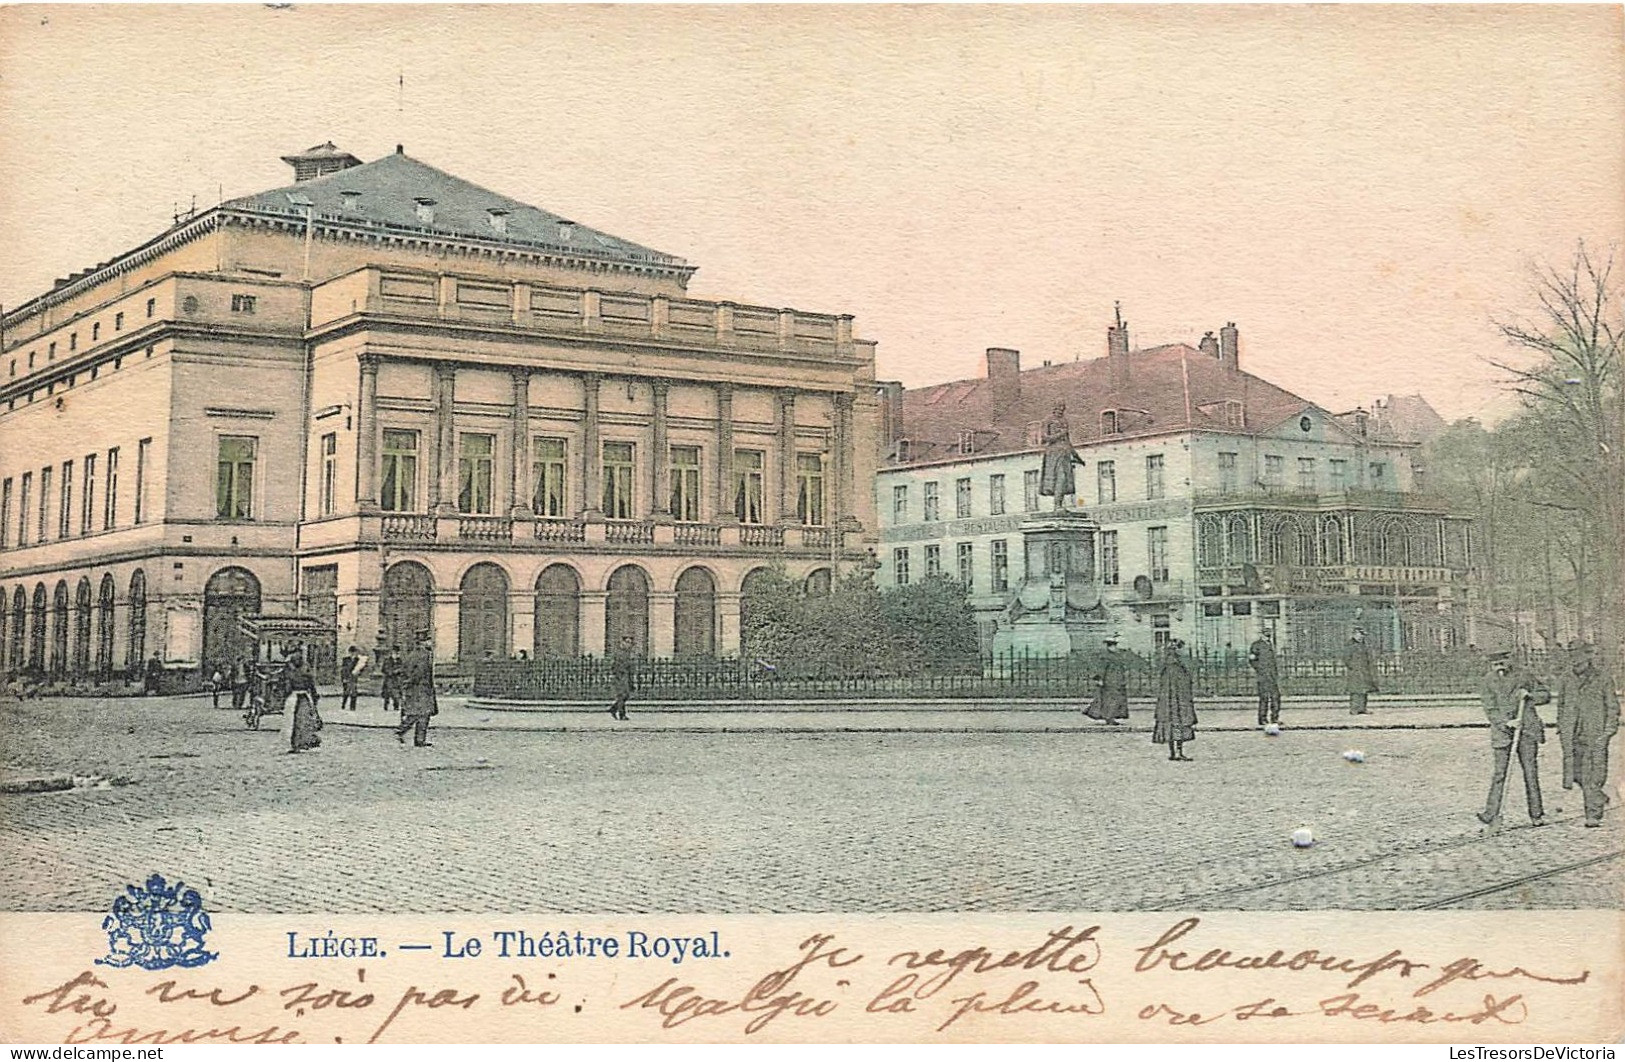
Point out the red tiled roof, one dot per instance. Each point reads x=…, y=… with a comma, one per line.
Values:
x=1169, y=388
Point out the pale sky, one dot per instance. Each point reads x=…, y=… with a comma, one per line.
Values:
x=1361, y=189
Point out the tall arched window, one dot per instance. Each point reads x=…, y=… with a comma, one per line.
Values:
x=36, y=629
x=81, y=626
x=135, y=650
x=626, y=610
x=1272, y=545
x=1389, y=543
x=59, y=628
x=1210, y=541
x=407, y=605
x=696, y=614
x=104, y=625
x=229, y=595
x=1239, y=539
x=558, y=613
x=482, y=615
x=17, y=658
x=1303, y=543
x=819, y=582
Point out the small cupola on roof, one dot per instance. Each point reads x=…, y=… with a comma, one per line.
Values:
x=320, y=161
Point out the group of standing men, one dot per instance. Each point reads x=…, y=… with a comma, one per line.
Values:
x=406, y=686
x=1587, y=718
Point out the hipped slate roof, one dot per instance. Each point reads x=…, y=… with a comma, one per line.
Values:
x=386, y=195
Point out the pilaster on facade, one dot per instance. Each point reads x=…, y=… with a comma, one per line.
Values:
x=785, y=400
x=367, y=436
x=519, y=446
x=725, y=454
x=659, y=464
x=442, y=456
x=591, y=471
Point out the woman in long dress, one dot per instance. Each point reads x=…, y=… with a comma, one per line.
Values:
x=1176, y=703
x=305, y=721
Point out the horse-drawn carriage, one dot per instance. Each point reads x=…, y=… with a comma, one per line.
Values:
x=280, y=643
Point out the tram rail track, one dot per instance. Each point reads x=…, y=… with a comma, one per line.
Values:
x=1527, y=879
x=1215, y=899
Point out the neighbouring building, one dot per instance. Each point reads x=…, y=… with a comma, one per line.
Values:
x=393, y=400
x=1210, y=505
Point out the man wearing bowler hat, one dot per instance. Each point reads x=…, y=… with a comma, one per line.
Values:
x=416, y=694
x=1510, y=697
x=1359, y=673
x=1586, y=695
x=1261, y=655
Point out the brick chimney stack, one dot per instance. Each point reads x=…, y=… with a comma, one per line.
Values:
x=891, y=414
x=1004, y=379
x=1117, y=351
x=1229, y=351
x=1209, y=346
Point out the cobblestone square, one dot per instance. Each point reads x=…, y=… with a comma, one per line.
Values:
x=645, y=820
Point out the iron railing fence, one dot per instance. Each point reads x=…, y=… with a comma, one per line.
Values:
x=1013, y=676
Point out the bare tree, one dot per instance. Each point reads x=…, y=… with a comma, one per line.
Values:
x=1572, y=396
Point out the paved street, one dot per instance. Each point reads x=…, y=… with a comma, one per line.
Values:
x=599, y=819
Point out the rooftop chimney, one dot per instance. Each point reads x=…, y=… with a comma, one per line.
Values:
x=1209, y=346
x=1117, y=351
x=319, y=161
x=1004, y=378
x=1229, y=352
x=891, y=415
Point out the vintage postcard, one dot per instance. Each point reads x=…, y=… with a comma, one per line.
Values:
x=774, y=524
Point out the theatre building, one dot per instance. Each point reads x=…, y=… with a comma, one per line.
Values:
x=393, y=400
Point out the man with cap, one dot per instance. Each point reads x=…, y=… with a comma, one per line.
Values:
x=350, y=677
x=1110, y=704
x=1587, y=695
x=1359, y=673
x=1261, y=655
x=416, y=695
x=623, y=673
x=1509, y=697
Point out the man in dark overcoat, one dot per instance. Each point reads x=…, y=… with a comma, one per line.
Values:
x=417, y=698
x=622, y=671
x=1359, y=672
x=1566, y=721
x=1587, y=692
x=389, y=676
x=1261, y=655
x=1176, y=702
x=1510, y=697
x=1110, y=704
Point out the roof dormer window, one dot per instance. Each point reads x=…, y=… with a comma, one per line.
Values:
x=1108, y=422
x=425, y=210
x=498, y=219
x=567, y=231
x=350, y=201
